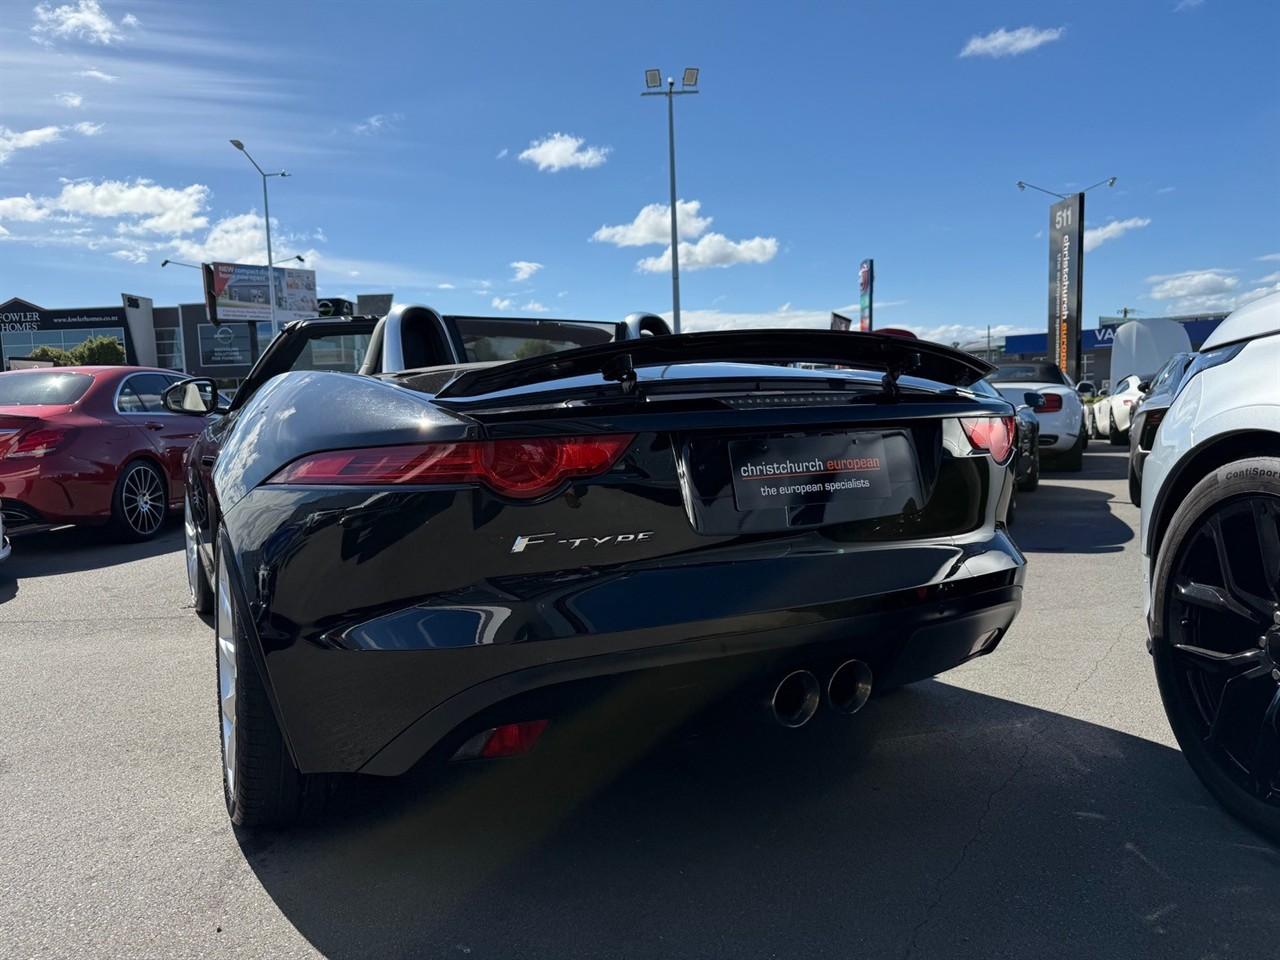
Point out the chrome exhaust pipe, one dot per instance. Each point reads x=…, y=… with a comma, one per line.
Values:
x=849, y=688
x=795, y=699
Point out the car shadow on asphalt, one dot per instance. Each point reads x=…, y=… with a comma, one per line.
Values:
x=939, y=822
x=74, y=549
x=1069, y=518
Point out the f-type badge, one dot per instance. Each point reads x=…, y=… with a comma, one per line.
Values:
x=524, y=541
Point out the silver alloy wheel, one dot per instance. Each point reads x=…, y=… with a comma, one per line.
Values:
x=224, y=627
x=142, y=499
x=192, y=550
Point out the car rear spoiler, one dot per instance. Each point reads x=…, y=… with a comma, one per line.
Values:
x=618, y=360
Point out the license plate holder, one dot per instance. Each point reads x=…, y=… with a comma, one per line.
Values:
x=782, y=472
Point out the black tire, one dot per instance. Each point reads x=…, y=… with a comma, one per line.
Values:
x=1032, y=479
x=262, y=788
x=1233, y=513
x=132, y=519
x=1094, y=433
x=1135, y=487
x=1118, y=438
x=197, y=579
x=1073, y=459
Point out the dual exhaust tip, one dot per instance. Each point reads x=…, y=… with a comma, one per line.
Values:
x=798, y=695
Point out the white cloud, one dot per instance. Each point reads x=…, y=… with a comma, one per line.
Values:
x=167, y=210
x=12, y=141
x=502, y=303
x=93, y=73
x=560, y=151
x=25, y=209
x=653, y=225
x=502, y=153
x=1095, y=237
x=445, y=286
x=1007, y=43
x=533, y=306
x=72, y=100
x=83, y=20
x=524, y=269
x=133, y=256
x=1269, y=258
x=788, y=317
x=378, y=123
x=1182, y=5
x=714, y=250
x=3, y=232
x=1166, y=190
x=1192, y=283
x=235, y=239
x=1270, y=278
x=87, y=129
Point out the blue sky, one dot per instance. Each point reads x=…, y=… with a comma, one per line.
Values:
x=497, y=157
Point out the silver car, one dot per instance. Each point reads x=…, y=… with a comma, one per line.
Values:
x=1211, y=563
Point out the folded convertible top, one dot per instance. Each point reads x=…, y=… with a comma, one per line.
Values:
x=896, y=356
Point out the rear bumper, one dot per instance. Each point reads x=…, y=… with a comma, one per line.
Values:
x=37, y=494
x=376, y=687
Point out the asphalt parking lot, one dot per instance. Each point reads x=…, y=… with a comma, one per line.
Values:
x=1032, y=804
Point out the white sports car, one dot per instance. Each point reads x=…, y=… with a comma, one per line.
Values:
x=1114, y=413
x=1062, y=431
x=1211, y=563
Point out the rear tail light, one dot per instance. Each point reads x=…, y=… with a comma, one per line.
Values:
x=1052, y=403
x=515, y=468
x=37, y=442
x=508, y=740
x=1149, y=427
x=1127, y=403
x=993, y=435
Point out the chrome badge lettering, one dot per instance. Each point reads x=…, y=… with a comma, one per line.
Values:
x=524, y=541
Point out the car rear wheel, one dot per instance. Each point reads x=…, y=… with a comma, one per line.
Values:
x=197, y=579
x=140, y=502
x=1135, y=487
x=1216, y=642
x=261, y=786
x=1032, y=479
x=1117, y=437
x=1073, y=459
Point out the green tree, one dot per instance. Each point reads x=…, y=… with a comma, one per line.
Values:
x=55, y=355
x=98, y=352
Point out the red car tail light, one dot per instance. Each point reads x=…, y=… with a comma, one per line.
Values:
x=508, y=740
x=515, y=468
x=993, y=435
x=1052, y=403
x=37, y=442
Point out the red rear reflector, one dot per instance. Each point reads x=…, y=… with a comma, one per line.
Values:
x=993, y=435
x=36, y=443
x=516, y=468
x=512, y=739
x=1052, y=403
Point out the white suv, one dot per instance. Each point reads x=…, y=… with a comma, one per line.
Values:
x=1211, y=563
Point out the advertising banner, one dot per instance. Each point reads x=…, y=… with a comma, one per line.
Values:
x=1066, y=273
x=238, y=291
x=839, y=322
x=866, y=288
x=225, y=345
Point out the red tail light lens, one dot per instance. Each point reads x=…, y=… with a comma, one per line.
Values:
x=993, y=435
x=515, y=468
x=1052, y=403
x=37, y=443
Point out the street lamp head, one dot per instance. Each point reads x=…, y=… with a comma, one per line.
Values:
x=1021, y=185
x=690, y=78
x=164, y=263
x=284, y=173
x=1111, y=181
x=653, y=78
x=237, y=144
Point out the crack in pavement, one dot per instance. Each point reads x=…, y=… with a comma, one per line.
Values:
x=941, y=884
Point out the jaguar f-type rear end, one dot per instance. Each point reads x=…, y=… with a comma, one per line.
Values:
x=418, y=560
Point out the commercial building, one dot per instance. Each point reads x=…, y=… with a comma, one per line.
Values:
x=175, y=337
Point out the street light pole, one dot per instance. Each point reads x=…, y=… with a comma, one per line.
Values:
x=653, y=78
x=266, y=212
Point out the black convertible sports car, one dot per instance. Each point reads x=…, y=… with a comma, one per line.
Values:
x=434, y=555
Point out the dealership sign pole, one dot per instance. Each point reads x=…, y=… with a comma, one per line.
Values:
x=866, y=288
x=1066, y=275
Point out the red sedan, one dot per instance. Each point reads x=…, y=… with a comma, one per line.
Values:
x=91, y=445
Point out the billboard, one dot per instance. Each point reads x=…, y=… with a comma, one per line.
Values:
x=866, y=287
x=225, y=345
x=1066, y=274
x=839, y=322
x=238, y=291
